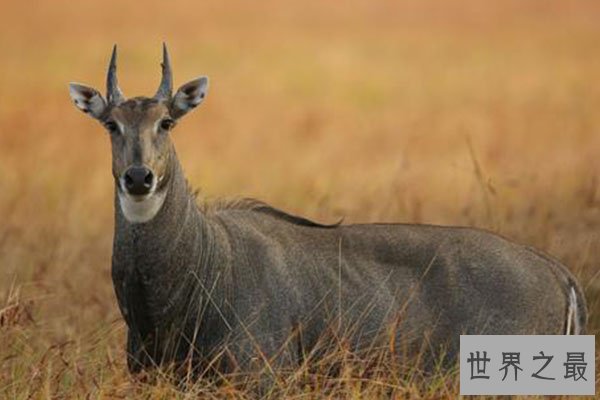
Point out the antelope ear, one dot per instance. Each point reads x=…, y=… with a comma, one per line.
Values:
x=87, y=99
x=189, y=96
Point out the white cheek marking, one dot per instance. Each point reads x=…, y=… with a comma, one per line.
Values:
x=139, y=212
x=121, y=127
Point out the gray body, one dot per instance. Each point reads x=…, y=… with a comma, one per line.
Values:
x=246, y=282
x=247, y=279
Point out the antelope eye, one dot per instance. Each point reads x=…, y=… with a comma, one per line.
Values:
x=166, y=124
x=112, y=126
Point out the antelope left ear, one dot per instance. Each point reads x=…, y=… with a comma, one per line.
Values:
x=87, y=99
x=189, y=96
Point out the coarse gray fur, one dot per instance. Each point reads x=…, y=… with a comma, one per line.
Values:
x=249, y=277
x=246, y=282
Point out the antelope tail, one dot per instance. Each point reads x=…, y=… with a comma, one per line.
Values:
x=573, y=317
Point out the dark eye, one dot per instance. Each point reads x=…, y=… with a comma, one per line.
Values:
x=167, y=124
x=112, y=126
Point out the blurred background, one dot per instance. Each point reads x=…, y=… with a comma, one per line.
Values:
x=464, y=113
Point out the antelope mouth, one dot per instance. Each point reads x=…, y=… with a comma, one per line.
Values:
x=138, y=198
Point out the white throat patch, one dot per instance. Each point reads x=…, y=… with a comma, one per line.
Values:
x=144, y=210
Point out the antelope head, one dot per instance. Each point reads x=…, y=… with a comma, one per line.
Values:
x=139, y=130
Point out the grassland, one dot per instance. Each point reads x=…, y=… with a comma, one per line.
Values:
x=469, y=113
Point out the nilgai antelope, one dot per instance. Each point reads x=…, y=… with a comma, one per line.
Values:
x=246, y=281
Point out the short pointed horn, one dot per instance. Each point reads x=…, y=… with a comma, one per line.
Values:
x=166, y=84
x=113, y=93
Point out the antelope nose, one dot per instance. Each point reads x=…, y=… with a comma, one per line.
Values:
x=138, y=180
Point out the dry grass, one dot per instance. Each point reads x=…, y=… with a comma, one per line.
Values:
x=472, y=114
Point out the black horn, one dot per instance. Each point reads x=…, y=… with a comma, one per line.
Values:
x=113, y=93
x=166, y=84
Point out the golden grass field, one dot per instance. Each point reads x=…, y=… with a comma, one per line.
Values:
x=470, y=113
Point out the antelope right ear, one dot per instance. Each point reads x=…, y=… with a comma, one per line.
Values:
x=87, y=99
x=189, y=96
